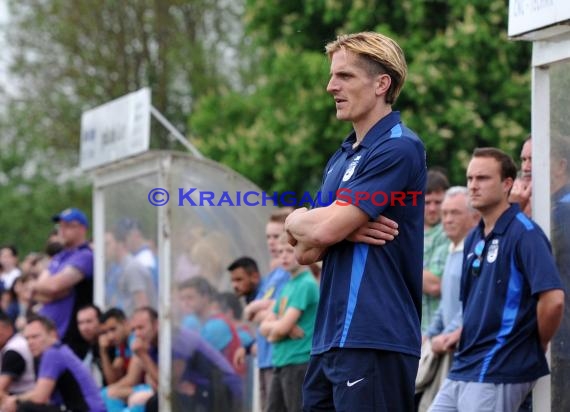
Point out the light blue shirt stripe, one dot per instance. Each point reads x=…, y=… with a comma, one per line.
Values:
x=525, y=221
x=510, y=311
x=357, y=271
x=396, y=131
x=565, y=198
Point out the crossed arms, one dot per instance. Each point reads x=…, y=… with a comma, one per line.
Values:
x=311, y=232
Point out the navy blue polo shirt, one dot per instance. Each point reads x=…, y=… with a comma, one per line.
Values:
x=371, y=295
x=499, y=342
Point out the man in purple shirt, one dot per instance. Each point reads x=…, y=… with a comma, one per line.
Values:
x=63, y=382
x=67, y=285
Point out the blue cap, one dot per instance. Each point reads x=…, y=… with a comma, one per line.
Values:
x=72, y=215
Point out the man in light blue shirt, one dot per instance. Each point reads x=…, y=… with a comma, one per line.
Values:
x=458, y=218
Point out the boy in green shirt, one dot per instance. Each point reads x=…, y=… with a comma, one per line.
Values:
x=290, y=328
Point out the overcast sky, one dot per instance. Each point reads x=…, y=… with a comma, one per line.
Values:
x=4, y=53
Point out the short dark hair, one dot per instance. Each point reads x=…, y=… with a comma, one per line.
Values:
x=229, y=301
x=124, y=226
x=11, y=248
x=5, y=319
x=201, y=285
x=91, y=306
x=152, y=313
x=508, y=165
x=436, y=182
x=47, y=323
x=246, y=263
x=113, y=313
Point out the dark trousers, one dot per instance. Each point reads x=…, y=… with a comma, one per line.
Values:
x=286, y=391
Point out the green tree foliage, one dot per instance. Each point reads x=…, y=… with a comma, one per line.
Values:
x=468, y=86
x=69, y=56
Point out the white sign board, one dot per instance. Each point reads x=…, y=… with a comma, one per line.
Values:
x=115, y=130
x=526, y=16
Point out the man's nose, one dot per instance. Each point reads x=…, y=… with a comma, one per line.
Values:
x=332, y=85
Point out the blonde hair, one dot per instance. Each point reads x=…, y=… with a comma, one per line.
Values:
x=380, y=54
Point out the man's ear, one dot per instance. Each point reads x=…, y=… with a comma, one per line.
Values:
x=382, y=84
x=508, y=184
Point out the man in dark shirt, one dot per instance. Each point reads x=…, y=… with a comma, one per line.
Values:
x=143, y=366
x=365, y=357
x=511, y=294
x=89, y=327
x=63, y=382
x=245, y=277
x=114, y=350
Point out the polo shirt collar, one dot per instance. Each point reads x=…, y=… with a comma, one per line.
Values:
x=503, y=222
x=381, y=128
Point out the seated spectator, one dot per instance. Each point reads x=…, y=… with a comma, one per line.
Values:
x=230, y=306
x=215, y=327
x=89, y=328
x=203, y=379
x=114, y=349
x=20, y=300
x=9, y=271
x=129, y=283
x=131, y=390
x=16, y=361
x=63, y=382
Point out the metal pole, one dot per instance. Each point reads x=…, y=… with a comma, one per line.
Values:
x=177, y=135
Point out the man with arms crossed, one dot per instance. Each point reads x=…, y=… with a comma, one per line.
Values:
x=67, y=285
x=366, y=342
x=511, y=294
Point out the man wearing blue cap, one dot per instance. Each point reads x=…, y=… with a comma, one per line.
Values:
x=67, y=284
